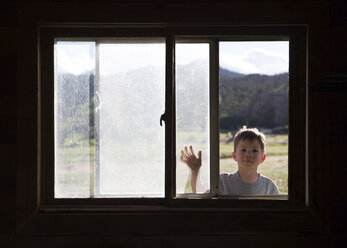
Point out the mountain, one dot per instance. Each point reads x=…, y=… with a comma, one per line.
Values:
x=229, y=74
x=253, y=100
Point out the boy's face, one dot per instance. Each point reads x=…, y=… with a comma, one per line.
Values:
x=248, y=154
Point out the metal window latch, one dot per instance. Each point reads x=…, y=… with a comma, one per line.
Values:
x=162, y=118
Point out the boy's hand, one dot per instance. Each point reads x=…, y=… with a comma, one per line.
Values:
x=193, y=162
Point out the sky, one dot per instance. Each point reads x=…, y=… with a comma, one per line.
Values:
x=270, y=57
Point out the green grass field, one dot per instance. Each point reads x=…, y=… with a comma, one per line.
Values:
x=73, y=165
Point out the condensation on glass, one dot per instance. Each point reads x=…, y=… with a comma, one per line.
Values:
x=109, y=96
x=254, y=87
x=192, y=111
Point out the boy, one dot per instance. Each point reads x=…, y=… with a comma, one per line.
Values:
x=249, y=152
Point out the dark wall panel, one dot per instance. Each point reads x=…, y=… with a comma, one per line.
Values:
x=327, y=53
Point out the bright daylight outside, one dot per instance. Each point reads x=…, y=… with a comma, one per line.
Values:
x=108, y=100
x=109, y=97
x=253, y=91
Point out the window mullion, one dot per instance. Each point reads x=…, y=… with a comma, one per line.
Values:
x=170, y=120
x=214, y=118
x=94, y=128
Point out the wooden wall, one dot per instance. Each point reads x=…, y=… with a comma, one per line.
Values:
x=327, y=94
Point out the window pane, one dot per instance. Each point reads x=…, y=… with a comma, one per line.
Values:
x=132, y=99
x=254, y=92
x=108, y=101
x=192, y=111
x=74, y=70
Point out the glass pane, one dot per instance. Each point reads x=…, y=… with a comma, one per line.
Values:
x=131, y=100
x=192, y=112
x=108, y=101
x=74, y=70
x=254, y=92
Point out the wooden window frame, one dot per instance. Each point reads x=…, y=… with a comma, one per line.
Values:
x=298, y=147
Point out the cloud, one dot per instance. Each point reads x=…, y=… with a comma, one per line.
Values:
x=120, y=58
x=79, y=57
x=74, y=59
x=255, y=61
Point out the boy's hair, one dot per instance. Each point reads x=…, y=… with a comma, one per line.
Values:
x=249, y=134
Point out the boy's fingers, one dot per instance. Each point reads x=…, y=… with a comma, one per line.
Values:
x=183, y=156
x=188, y=154
x=191, y=150
x=186, y=150
x=199, y=155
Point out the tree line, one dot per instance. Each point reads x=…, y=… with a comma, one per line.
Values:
x=253, y=100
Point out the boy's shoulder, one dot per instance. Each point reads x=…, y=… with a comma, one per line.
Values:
x=231, y=183
x=227, y=175
x=265, y=178
x=268, y=184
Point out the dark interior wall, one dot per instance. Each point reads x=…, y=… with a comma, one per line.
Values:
x=8, y=115
x=327, y=70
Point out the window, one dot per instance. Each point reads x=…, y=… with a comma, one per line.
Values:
x=108, y=99
x=253, y=90
x=106, y=93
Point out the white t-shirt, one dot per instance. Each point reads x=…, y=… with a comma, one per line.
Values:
x=232, y=184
